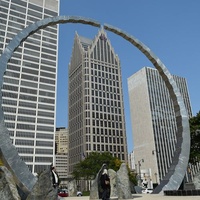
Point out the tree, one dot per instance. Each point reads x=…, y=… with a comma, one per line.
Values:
x=132, y=177
x=90, y=166
x=195, y=138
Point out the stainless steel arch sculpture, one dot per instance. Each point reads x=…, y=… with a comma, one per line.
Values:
x=177, y=170
x=11, y=159
x=23, y=177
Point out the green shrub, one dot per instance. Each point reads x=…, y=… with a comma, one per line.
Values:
x=86, y=193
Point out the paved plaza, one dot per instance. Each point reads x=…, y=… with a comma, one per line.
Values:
x=145, y=197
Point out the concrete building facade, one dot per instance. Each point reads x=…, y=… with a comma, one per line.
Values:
x=153, y=122
x=29, y=87
x=96, y=110
x=62, y=140
x=131, y=161
x=61, y=162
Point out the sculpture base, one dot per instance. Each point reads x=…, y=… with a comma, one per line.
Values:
x=193, y=192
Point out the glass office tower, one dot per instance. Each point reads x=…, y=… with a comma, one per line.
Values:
x=29, y=87
x=96, y=110
x=153, y=122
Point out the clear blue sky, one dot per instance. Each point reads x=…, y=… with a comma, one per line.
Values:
x=170, y=28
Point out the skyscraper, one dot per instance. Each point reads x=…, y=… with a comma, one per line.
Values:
x=96, y=110
x=29, y=87
x=153, y=121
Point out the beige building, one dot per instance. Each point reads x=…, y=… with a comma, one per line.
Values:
x=153, y=122
x=96, y=110
x=61, y=154
x=62, y=140
x=131, y=161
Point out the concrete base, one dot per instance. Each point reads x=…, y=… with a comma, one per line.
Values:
x=189, y=186
x=182, y=192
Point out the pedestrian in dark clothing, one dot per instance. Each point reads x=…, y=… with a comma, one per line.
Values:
x=55, y=177
x=105, y=185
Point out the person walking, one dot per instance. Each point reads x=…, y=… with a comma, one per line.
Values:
x=55, y=177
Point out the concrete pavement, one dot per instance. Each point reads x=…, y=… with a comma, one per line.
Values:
x=145, y=197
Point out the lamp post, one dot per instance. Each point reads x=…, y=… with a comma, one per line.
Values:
x=139, y=178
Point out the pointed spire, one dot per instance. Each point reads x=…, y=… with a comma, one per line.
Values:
x=103, y=35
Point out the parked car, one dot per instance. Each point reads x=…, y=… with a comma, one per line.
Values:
x=63, y=193
x=79, y=194
x=147, y=190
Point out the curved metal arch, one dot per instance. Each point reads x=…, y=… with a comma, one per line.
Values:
x=24, y=177
x=176, y=173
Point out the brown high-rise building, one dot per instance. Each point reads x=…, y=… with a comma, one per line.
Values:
x=61, y=157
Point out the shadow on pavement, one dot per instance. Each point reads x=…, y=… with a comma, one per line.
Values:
x=135, y=196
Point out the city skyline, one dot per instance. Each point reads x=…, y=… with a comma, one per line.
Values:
x=168, y=32
x=94, y=87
